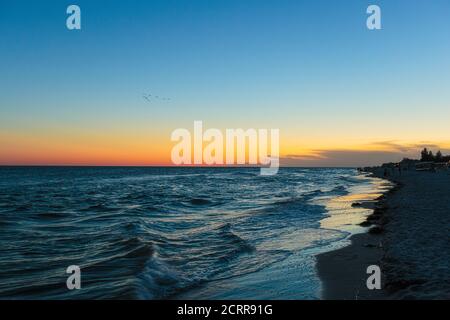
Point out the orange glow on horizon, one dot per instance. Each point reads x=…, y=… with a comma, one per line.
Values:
x=117, y=149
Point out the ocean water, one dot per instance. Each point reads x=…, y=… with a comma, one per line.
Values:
x=169, y=233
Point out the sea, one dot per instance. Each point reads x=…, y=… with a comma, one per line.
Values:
x=174, y=233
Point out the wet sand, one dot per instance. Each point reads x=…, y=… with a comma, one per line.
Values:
x=410, y=243
x=344, y=271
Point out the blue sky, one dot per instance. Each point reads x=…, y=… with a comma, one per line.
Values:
x=311, y=68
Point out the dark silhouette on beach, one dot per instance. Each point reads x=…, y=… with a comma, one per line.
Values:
x=427, y=156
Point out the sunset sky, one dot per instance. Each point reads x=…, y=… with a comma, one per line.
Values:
x=340, y=94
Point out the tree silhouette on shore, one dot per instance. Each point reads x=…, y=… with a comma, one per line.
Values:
x=427, y=156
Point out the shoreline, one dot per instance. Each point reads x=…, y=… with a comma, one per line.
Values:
x=408, y=241
x=343, y=271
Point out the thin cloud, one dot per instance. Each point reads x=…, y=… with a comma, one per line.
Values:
x=393, y=152
x=343, y=158
x=392, y=145
x=408, y=147
x=304, y=156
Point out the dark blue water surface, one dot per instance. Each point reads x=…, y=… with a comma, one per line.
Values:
x=159, y=232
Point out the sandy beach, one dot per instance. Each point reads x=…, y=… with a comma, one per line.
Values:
x=408, y=237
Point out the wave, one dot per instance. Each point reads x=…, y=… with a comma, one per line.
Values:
x=199, y=201
x=155, y=233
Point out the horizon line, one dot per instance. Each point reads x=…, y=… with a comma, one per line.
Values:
x=163, y=166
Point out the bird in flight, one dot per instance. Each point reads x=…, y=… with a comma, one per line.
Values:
x=148, y=97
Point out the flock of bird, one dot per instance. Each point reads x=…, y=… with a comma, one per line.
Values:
x=149, y=97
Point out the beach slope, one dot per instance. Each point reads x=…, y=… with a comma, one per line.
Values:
x=410, y=243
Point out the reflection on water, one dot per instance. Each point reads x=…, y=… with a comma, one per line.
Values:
x=173, y=232
x=345, y=217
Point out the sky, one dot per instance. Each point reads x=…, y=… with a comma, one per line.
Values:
x=341, y=95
